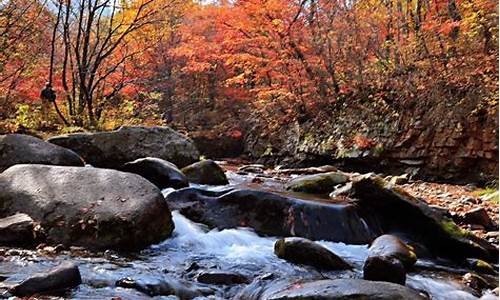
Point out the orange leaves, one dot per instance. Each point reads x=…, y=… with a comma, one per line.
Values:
x=363, y=142
x=447, y=27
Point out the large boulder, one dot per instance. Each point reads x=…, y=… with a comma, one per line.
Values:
x=114, y=148
x=205, y=172
x=322, y=183
x=341, y=289
x=276, y=215
x=65, y=276
x=398, y=211
x=160, y=172
x=89, y=207
x=24, y=149
x=306, y=252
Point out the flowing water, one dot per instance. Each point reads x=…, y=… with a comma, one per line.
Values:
x=238, y=250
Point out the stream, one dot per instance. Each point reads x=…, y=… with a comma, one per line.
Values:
x=237, y=250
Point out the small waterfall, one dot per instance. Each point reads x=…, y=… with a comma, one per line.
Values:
x=231, y=244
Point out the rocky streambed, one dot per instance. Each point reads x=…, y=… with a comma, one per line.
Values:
x=210, y=235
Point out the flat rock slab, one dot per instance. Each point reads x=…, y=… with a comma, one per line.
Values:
x=114, y=148
x=322, y=183
x=341, y=289
x=89, y=207
x=24, y=149
x=17, y=230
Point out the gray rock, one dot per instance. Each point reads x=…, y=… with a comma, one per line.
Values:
x=342, y=190
x=205, y=172
x=24, y=149
x=17, y=230
x=254, y=168
x=94, y=208
x=221, y=278
x=306, y=171
x=307, y=252
x=113, y=149
x=380, y=268
x=160, y=172
x=65, y=276
x=336, y=289
x=165, y=287
x=318, y=183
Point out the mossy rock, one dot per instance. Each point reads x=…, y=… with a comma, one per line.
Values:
x=306, y=252
x=480, y=266
x=399, y=211
x=391, y=246
x=318, y=183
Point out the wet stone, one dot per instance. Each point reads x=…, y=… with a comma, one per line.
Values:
x=65, y=276
x=221, y=278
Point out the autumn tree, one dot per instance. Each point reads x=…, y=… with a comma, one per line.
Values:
x=96, y=49
x=22, y=45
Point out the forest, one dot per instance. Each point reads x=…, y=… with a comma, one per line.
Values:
x=249, y=149
x=201, y=65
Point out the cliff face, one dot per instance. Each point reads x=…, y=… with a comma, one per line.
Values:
x=450, y=139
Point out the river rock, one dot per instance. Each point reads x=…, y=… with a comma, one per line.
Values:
x=479, y=216
x=17, y=230
x=478, y=282
x=388, y=245
x=160, y=172
x=382, y=268
x=205, y=172
x=306, y=252
x=276, y=215
x=480, y=265
x=317, y=184
x=65, y=276
x=24, y=149
x=336, y=289
x=221, y=277
x=398, y=211
x=340, y=191
x=305, y=171
x=114, y=148
x=389, y=258
x=253, y=168
x=165, y=287
x=94, y=208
